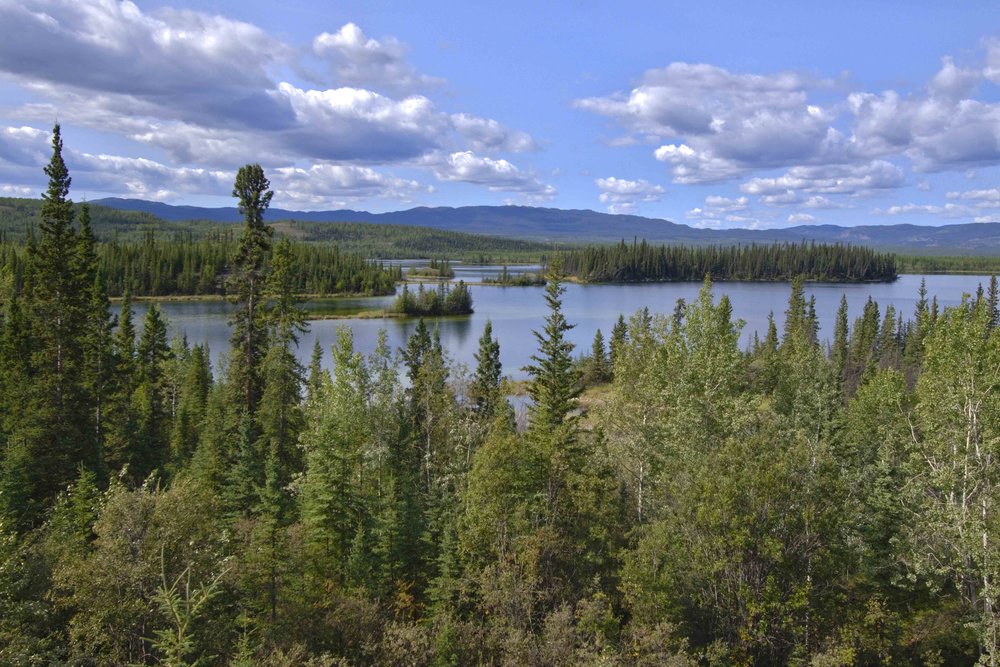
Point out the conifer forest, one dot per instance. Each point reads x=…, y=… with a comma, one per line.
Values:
x=672, y=499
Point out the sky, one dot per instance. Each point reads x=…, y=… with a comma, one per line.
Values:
x=715, y=114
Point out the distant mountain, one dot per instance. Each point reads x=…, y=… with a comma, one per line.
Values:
x=563, y=225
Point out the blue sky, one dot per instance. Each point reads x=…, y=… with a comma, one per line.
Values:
x=721, y=114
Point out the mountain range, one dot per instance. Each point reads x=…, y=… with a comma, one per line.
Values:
x=576, y=226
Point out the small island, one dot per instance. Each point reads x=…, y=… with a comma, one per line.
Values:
x=444, y=300
x=437, y=270
x=507, y=279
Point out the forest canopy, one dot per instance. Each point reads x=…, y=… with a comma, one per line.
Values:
x=791, y=503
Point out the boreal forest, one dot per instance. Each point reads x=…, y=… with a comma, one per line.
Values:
x=796, y=502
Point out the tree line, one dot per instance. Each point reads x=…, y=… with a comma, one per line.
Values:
x=643, y=262
x=793, y=503
x=185, y=266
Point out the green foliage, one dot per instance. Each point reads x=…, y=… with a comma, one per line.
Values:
x=781, y=505
x=642, y=262
x=445, y=300
x=485, y=389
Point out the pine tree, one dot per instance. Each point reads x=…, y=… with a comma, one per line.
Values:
x=839, y=351
x=58, y=434
x=249, y=342
x=280, y=413
x=249, y=338
x=119, y=419
x=196, y=382
x=598, y=369
x=98, y=350
x=316, y=372
x=619, y=336
x=150, y=448
x=554, y=386
x=486, y=385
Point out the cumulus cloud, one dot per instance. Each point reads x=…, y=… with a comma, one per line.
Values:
x=726, y=204
x=801, y=218
x=487, y=134
x=359, y=60
x=780, y=198
x=622, y=195
x=718, y=209
x=711, y=125
x=320, y=185
x=496, y=175
x=729, y=123
x=820, y=202
x=948, y=210
x=204, y=67
x=830, y=179
x=324, y=185
x=208, y=90
x=989, y=197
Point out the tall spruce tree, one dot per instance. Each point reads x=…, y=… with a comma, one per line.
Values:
x=248, y=342
x=58, y=430
x=249, y=338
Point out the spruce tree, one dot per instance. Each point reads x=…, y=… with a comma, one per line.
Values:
x=598, y=369
x=245, y=476
x=249, y=338
x=316, y=372
x=554, y=382
x=839, y=351
x=619, y=336
x=486, y=385
x=150, y=448
x=58, y=433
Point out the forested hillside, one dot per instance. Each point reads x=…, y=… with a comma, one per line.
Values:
x=18, y=217
x=787, y=504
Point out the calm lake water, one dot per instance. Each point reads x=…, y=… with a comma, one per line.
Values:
x=516, y=311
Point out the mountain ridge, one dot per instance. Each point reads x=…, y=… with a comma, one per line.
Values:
x=584, y=225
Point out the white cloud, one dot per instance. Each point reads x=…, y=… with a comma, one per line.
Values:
x=623, y=195
x=830, y=179
x=324, y=185
x=729, y=123
x=780, y=198
x=487, y=134
x=801, y=218
x=358, y=60
x=496, y=175
x=991, y=195
x=712, y=125
x=726, y=204
x=947, y=210
x=209, y=91
x=820, y=202
x=202, y=67
x=944, y=128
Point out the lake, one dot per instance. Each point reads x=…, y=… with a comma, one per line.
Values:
x=516, y=311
